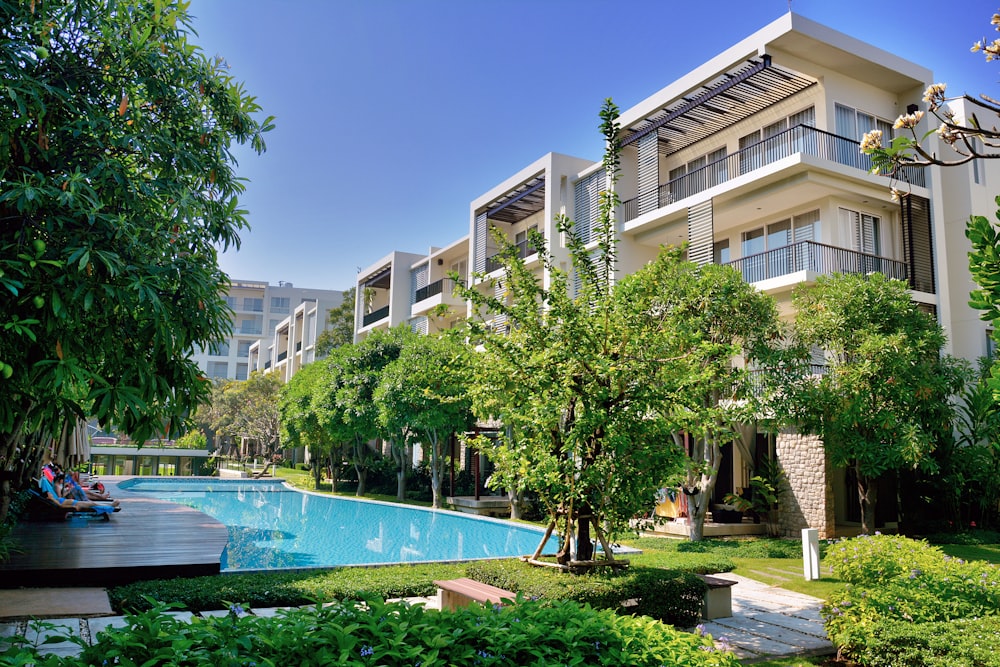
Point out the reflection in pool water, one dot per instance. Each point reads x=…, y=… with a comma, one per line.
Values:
x=273, y=527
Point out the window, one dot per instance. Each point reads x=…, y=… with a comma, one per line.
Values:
x=699, y=174
x=250, y=326
x=272, y=325
x=775, y=249
x=720, y=252
x=866, y=231
x=231, y=301
x=461, y=268
x=280, y=304
x=852, y=124
x=253, y=305
x=243, y=348
x=991, y=344
x=521, y=240
x=218, y=369
x=219, y=350
x=241, y=371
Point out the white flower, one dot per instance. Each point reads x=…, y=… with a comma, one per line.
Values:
x=908, y=120
x=871, y=141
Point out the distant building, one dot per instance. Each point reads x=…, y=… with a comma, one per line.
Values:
x=259, y=311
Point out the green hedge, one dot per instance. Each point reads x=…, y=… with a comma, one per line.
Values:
x=391, y=634
x=897, y=588
x=968, y=642
x=670, y=596
x=285, y=589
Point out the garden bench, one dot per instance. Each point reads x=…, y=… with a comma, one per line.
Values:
x=718, y=602
x=461, y=592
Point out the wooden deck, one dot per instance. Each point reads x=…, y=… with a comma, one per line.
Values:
x=148, y=539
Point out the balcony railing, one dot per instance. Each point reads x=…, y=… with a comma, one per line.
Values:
x=281, y=357
x=434, y=289
x=375, y=316
x=298, y=346
x=524, y=250
x=267, y=364
x=799, y=139
x=815, y=257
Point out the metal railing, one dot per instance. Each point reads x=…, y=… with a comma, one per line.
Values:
x=281, y=357
x=815, y=257
x=375, y=316
x=435, y=288
x=525, y=249
x=799, y=139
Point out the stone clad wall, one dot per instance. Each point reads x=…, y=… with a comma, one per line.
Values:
x=809, y=501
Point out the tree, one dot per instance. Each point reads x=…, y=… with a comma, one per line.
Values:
x=301, y=425
x=884, y=399
x=117, y=184
x=248, y=413
x=688, y=325
x=425, y=390
x=354, y=429
x=341, y=329
x=579, y=429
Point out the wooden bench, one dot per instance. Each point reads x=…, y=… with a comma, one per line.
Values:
x=718, y=602
x=457, y=593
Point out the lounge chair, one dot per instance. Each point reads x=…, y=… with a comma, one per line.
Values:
x=42, y=507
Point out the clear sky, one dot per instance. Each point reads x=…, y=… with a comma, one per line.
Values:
x=393, y=115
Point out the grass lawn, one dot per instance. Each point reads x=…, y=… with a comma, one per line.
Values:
x=303, y=479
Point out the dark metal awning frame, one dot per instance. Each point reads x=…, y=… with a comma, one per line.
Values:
x=516, y=205
x=728, y=99
x=379, y=279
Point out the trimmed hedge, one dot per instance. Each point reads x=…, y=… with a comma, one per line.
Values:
x=670, y=596
x=967, y=642
x=378, y=633
x=904, y=594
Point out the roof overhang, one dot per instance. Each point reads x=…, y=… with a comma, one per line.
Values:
x=380, y=279
x=727, y=99
x=517, y=204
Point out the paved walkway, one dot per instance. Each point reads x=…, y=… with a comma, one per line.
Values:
x=767, y=622
x=770, y=622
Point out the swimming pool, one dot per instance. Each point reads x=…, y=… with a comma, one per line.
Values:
x=274, y=527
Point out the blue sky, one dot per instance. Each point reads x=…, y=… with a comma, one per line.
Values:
x=393, y=115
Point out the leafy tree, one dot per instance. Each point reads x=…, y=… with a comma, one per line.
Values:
x=341, y=329
x=425, y=391
x=117, y=184
x=301, y=426
x=687, y=324
x=579, y=429
x=248, y=412
x=352, y=429
x=978, y=465
x=883, y=402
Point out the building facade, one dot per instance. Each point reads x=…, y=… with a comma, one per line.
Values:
x=752, y=160
x=259, y=310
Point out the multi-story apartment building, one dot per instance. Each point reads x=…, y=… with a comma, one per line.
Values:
x=753, y=160
x=258, y=310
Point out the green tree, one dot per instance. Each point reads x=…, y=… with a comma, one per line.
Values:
x=248, y=413
x=425, y=391
x=883, y=402
x=353, y=429
x=341, y=329
x=117, y=185
x=301, y=425
x=579, y=431
x=688, y=324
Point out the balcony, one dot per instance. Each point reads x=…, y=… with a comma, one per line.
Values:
x=375, y=316
x=816, y=258
x=281, y=357
x=799, y=139
x=433, y=289
x=298, y=346
x=524, y=250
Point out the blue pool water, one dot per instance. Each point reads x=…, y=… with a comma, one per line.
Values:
x=274, y=527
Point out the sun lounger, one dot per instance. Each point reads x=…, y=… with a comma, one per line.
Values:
x=41, y=507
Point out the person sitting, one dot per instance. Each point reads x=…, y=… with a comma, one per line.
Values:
x=55, y=489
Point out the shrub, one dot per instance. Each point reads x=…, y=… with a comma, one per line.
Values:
x=670, y=596
x=378, y=633
x=280, y=589
x=895, y=581
x=964, y=642
x=745, y=548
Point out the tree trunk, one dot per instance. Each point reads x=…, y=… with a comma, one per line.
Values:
x=868, y=495
x=436, y=472
x=362, y=479
x=515, y=503
x=697, y=509
x=334, y=468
